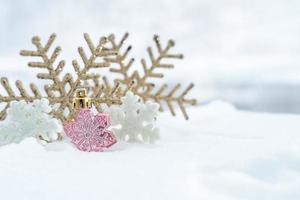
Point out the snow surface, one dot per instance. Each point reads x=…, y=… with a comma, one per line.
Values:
x=220, y=153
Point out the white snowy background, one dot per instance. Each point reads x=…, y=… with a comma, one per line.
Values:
x=241, y=54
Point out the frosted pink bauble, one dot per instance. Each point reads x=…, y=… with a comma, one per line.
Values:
x=88, y=132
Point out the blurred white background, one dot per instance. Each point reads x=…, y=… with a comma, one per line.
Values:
x=243, y=51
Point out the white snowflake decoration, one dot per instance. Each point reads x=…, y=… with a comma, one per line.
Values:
x=29, y=120
x=135, y=119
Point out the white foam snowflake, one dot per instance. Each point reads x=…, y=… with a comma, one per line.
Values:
x=29, y=120
x=134, y=120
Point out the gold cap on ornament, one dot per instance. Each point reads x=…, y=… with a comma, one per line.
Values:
x=81, y=100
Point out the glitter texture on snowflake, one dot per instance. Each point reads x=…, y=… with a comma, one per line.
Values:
x=135, y=118
x=89, y=132
x=142, y=82
x=107, y=52
x=61, y=85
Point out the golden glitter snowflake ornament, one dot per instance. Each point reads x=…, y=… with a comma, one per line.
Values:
x=62, y=90
x=104, y=54
x=143, y=85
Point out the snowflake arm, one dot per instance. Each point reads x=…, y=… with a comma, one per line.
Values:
x=12, y=96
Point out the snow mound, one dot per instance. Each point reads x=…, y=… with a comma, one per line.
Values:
x=220, y=153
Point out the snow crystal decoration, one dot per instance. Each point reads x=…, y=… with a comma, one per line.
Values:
x=88, y=132
x=29, y=120
x=107, y=52
x=135, y=118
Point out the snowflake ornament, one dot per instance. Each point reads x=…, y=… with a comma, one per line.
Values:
x=135, y=119
x=29, y=120
x=89, y=132
x=108, y=52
